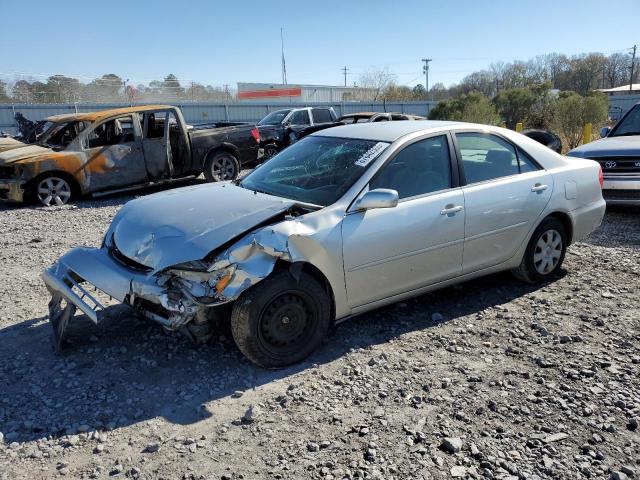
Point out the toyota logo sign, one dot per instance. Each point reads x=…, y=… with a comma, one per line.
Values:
x=610, y=164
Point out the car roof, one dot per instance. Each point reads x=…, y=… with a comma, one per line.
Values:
x=100, y=114
x=387, y=131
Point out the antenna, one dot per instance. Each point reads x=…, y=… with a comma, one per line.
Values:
x=284, y=65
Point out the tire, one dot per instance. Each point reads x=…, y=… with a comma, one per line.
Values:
x=279, y=321
x=270, y=150
x=544, y=255
x=546, y=138
x=221, y=166
x=52, y=189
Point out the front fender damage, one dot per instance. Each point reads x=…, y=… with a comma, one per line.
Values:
x=178, y=299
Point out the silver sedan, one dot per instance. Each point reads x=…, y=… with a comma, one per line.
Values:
x=342, y=222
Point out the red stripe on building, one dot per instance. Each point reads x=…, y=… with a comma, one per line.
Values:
x=272, y=92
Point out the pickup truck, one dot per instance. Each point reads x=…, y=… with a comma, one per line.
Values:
x=279, y=128
x=114, y=150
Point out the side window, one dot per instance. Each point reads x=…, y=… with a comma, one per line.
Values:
x=321, y=115
x=486, y=157
x=525, y=163
x=155, y=124
x=300, y=117
x=420, y=168
x=112, y=132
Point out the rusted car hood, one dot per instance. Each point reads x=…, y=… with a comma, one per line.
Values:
x=8, y=143
x=185, y=224
x=22, y=152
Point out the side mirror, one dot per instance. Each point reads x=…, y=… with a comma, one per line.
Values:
x=378, y=198
x=604, y=131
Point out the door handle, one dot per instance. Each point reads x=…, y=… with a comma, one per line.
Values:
x=451, y=209
x=538, y=187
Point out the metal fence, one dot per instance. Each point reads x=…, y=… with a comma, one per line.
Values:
x=196, y=112
x=204, y=112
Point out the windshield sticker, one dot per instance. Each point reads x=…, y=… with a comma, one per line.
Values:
x=370, y=154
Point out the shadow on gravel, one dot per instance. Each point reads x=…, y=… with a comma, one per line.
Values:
x=127, y=370
x=620, y=228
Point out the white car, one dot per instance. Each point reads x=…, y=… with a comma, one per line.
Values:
x=346, y=220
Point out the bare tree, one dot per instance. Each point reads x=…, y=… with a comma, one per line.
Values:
x=617, y=70
x=377, y=80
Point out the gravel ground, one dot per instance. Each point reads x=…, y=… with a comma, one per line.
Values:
x=490, y=379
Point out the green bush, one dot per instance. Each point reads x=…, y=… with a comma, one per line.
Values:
x=573, y=112
x=473, y=107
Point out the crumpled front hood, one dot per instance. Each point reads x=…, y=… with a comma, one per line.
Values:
x=609, y=147
x=186, y=224
x=22, y=152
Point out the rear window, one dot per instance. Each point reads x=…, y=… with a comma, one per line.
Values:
x=321, y=115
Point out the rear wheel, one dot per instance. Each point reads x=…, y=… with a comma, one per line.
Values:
x=281, y=321
x=221, y=166
x=270, y=150
x=545, y=252
x=52, y=190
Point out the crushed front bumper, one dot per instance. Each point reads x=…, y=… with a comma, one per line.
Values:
x=11, y=190
x=68, y=282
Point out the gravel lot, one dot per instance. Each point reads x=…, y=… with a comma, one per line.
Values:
x=491, y=379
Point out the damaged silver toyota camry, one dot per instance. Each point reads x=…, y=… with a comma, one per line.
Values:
x=346, y=220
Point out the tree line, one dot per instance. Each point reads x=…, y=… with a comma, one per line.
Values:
x=109, y=88
x=579, y=73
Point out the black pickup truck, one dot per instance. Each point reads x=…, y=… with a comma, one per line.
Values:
x=112, y=150
x=280, y=128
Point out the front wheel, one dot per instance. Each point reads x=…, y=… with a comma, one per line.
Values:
x=545, y=252
x=221, y=166
x=52, y=190
x=281, y=321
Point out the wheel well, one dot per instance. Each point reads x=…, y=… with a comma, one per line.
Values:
x=566, y=223
x=311, y=270
x=73, y=183
x=222, y=149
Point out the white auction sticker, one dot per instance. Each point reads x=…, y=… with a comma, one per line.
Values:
x=370, y=154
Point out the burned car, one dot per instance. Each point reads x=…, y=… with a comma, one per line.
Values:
x=342, y=222
x=113, y=150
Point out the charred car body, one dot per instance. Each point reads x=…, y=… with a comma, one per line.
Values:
x=105, y=151
x=327, y=229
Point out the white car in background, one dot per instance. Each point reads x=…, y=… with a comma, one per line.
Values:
x=344, y=221
x=618, y=153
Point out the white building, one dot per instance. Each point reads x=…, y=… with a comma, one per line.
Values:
x=294, y=93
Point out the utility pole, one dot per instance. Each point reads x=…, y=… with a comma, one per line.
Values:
x=284, y=65
x=633, y=64
x=345, y=70
x=425, y=70
x=226, y=90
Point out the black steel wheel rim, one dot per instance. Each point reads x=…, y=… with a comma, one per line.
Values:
x=287, y=323
x=270, y=151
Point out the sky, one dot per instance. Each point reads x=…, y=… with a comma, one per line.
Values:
x=217, y=43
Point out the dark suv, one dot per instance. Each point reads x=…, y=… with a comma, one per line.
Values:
x=279, y=128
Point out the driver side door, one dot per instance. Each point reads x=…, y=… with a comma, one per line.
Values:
x=390, y=251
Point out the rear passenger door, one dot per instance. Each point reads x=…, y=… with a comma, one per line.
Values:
x=114, y=154
x=505, y=192
x=156, y=144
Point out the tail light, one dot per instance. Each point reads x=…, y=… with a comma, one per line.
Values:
x=600, y=176
x=255, y=134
